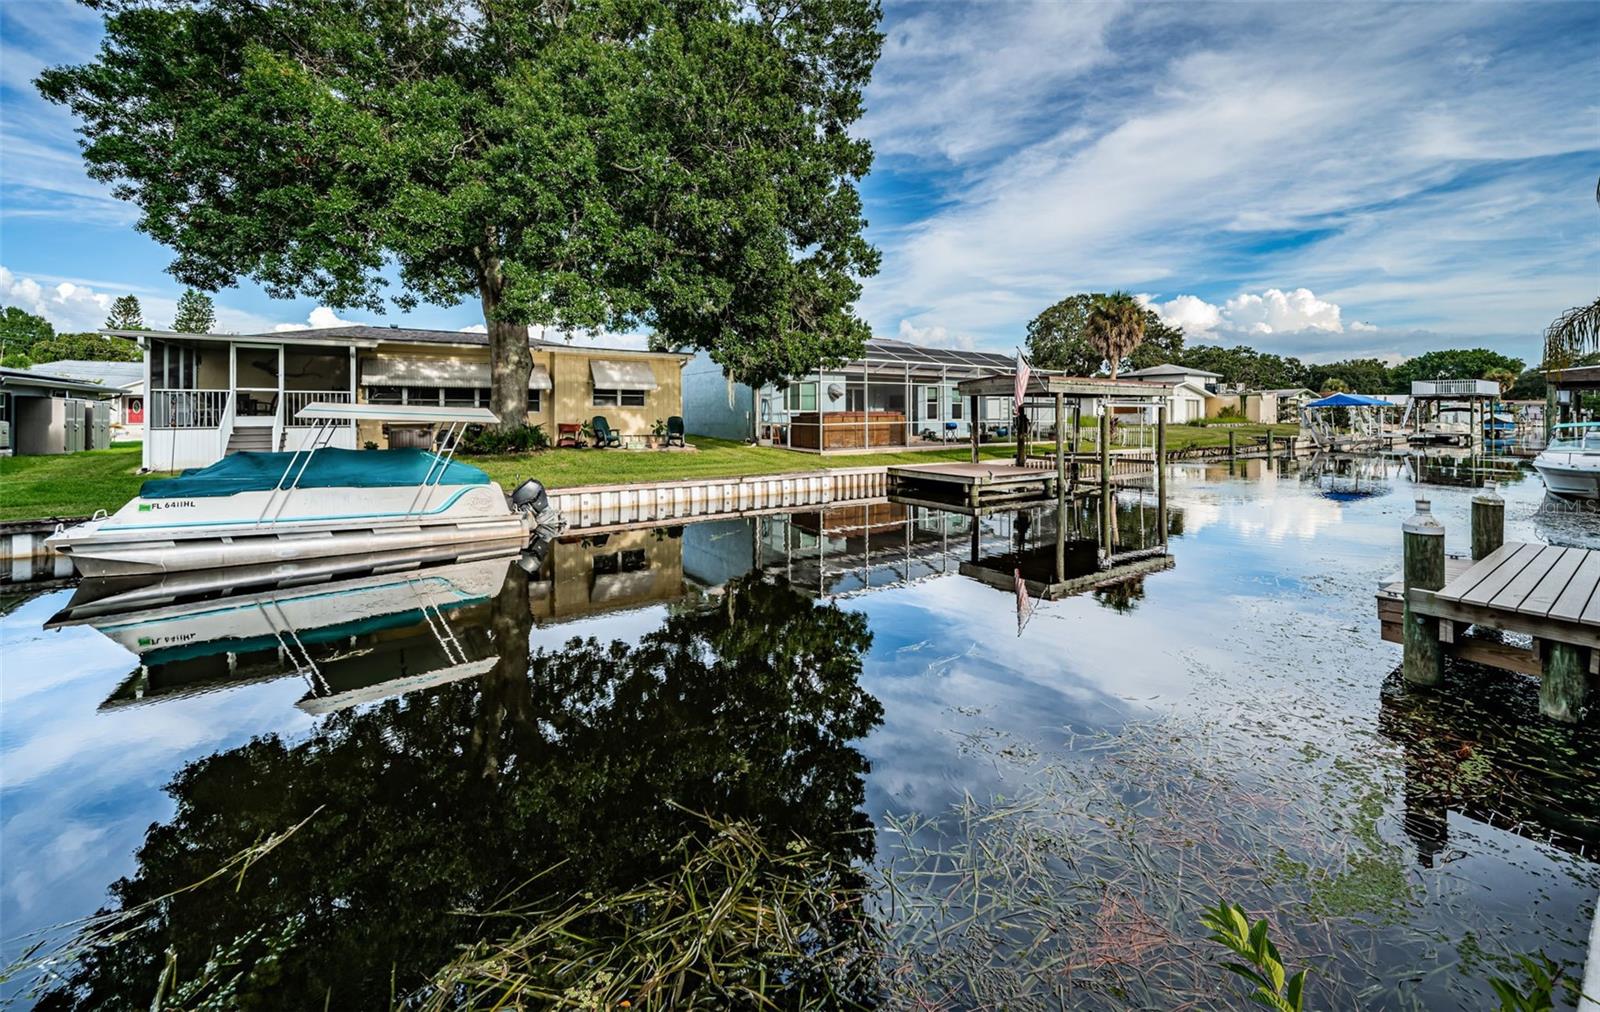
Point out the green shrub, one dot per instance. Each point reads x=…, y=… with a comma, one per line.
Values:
x=480, y=441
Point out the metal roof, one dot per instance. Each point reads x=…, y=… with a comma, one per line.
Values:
x=115, y=374
x=364, y=336
x=1047, y=384
x=883, y=349
x=1169, y=369
x=28, y=378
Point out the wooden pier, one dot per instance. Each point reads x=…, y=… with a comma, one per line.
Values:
x=1439, y=605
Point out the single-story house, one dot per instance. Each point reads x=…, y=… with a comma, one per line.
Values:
x=125, y=378
x=898, y=394
x=1194, y=392
x=212, y=394
x=41, y=413
x=1263, y=406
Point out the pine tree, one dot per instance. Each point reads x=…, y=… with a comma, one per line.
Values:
x=196, y=314
x=126, y=315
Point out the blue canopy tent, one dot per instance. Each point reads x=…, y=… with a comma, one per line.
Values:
x=1350, y=401
x=1365, y=416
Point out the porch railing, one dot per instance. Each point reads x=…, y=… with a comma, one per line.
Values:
x=294, y=400
x=187, y=409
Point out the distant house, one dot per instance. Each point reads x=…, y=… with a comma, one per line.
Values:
x=896, y=394
x=1194, y=392
x=41, y=413
x=213, y=394
x=126, y=378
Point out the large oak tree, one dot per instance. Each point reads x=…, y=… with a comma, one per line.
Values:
x=684, y=166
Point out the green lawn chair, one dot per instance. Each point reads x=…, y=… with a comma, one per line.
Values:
x=604, y=434
x=675, y=431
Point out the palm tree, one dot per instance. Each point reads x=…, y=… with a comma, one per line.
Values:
x=1115, y=327
x=1574, y=332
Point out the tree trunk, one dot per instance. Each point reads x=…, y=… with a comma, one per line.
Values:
x=510, y=362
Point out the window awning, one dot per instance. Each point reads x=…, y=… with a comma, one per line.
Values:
x=611, y=375
x=430, y=371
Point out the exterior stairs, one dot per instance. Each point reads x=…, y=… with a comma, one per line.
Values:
x=250, y=437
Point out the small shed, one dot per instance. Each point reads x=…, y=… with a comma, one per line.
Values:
x=41, y=413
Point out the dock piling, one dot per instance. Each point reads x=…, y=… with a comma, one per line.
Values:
x=1488, y=522
x=1161, y=471
x=1563, y=689
x=1232, y=450
x=1105, y=478
x=1423, y=657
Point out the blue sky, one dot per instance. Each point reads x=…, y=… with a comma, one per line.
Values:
x=1318, y=180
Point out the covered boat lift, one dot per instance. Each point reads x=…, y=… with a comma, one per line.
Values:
x=1366, y=423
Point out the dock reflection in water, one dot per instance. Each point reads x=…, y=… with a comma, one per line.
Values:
x=516, y=731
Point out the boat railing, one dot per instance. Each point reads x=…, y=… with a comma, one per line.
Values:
x=187, y=409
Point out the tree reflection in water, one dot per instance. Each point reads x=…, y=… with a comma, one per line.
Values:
x=583, y=764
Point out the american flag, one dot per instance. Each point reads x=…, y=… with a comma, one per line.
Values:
x=1023, y=374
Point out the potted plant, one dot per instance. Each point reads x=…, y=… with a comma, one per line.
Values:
x=658, y=435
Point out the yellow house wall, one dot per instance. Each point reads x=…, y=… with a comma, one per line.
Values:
x=571, y=400
x=574, y=393
x=1215, y=406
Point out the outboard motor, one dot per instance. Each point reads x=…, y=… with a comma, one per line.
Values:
x=531, y=498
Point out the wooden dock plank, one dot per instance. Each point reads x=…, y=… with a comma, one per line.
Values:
x=1511, y=595
x=1480, y=571
x=1538, y=602
x=1575, y=596
x=1507, y=571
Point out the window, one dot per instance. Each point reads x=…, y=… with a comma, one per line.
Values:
x=423, y=395
x=385, y=395
x=533, y=400
x=955, y=409
x=801, y=397
x=607, y=398
x=173, y=366
x=933, y=404
x=460, y=397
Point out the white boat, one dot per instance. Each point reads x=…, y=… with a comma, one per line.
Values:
x=1453, y=424
x=1570, y=464
x=262, y=509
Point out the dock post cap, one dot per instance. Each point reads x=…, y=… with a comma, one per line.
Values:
x=1424, y=522
x=1490, y=493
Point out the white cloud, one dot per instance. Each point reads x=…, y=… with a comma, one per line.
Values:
x=69, y=307
x=476, y=328
x=935, y=337
x=1274, y=311
x=1360, y=326
x=320, y=318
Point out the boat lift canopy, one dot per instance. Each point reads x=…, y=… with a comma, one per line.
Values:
x=1350, y=401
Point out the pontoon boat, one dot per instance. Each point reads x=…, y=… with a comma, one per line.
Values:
x=262, y=509
x=1570, y=465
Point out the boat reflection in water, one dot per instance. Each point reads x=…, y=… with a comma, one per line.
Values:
x=353, y=640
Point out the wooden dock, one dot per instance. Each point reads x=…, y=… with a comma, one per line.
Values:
x=1547, y=593
x=988, y=482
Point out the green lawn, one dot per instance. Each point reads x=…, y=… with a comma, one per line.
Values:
x=74, y=485
x=68, y=485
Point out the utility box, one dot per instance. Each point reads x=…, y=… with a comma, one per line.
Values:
x=73, y=424
x=5, y=439
x=97, y=425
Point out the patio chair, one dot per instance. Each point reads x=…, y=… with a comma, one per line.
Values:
x=604, y=434
x=569, y=434
x=675, y=431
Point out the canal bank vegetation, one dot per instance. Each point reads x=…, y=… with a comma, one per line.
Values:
x=75, y=485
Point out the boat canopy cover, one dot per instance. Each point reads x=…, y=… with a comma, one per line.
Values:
x=329, y=468
x=416, y=414
x=1349, y=401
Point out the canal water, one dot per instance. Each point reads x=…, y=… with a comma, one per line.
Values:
x=1037, y=799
